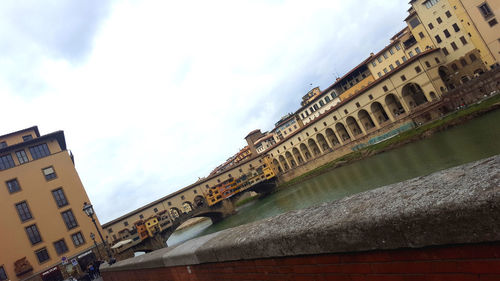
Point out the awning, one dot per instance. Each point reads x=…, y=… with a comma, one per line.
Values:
x=121, y=243
x=84, y=254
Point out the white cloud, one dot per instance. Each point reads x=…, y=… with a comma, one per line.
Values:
x=168, y=90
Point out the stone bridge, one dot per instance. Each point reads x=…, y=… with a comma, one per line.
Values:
x=215, y=213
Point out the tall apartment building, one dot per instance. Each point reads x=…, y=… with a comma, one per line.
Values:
x=41, y=200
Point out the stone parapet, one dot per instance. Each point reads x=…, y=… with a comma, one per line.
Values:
x=460, y=205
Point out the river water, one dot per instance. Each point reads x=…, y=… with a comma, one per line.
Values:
x=474, y=140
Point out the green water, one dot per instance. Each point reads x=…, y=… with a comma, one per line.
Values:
x=477, y=139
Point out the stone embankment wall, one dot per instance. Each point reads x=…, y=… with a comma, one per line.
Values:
x=444, y=226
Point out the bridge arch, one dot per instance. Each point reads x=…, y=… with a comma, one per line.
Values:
x=290, y=159
x=394, y=105
x=379, y=112
x=366, y=120
x=322, y=142
x=342, y=131
x=199, y=201
x=413, y=95
x=297, y=155
x=305, y=151
x=353, y=125
x=314, y=147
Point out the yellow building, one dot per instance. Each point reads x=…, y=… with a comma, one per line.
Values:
x=41, y=201
x=152, y=226
x=449, y=29
x=482, y=16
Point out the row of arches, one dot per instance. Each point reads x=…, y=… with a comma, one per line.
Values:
x=187, y=207
x=373, y=117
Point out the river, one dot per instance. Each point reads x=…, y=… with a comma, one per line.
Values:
x=474, y=140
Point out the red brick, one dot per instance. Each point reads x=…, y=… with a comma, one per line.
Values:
x=479, y=266
x=493, y=277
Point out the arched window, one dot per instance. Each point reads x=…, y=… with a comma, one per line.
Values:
x=472, y=57
x=454, y=67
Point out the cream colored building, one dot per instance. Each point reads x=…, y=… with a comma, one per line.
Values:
x=41, y=200
x=400, y=92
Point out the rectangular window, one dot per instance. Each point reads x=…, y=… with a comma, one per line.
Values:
x=398, y=47
x=454, y=46
x=385, y=55
x=327, y=99
x=379, y=74
x=438, y=39
x=69, y=219
x=59, y=197
x=462, y=39
x=27, y=138
x=437, y=60
x=403, y=58
x=39, y=151
x=23, y=211
x=13, y=185
x=321, y=103
x=445, y=51
x=391, y=66
x=77, y=239
x=3, y=144
x=385, y=88
x=385, y=70
x=33, y=234
x=6, y=162
x=374, y=63
x=398, y=63
x=439, y=20
x=21, y=156
x=421, y=34
x=49, y=173
x=42, y=255
x=418, y=69
x=60, y=247
x=485, y=10
x=455, y=27
x=403, y=78
x=379, y=59
x=410, y=53
x=429, y=3
x=417, y=50
x=493, y=22
x=414, y=22
x=427, y=64
x=446, y=33
x=431, y=26
x=448, y=14
x=391, y=51
x=3, y=275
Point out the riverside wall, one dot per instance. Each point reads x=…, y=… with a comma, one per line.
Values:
x=444, y=226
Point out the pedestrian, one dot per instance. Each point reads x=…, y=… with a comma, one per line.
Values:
x=97, y=272
x=91, y=271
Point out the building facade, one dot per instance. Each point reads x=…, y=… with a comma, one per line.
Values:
x=41, y=201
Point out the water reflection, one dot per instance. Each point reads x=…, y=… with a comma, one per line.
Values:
x=475, y=140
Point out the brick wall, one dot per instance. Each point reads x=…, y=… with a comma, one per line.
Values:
x=473, y=262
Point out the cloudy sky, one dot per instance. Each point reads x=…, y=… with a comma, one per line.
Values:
x=152, y=95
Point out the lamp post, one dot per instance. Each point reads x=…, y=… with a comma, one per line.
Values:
x=87, y=208
x=92, y=236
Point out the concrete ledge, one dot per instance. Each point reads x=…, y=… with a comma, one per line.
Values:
x=456, y=206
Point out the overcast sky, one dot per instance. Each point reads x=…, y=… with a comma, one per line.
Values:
x=152, y=95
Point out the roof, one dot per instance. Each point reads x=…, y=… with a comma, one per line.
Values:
x=270, y=136
x=33, y=128
x=373, y=57
x=58, y=135
x=252, y=132
x=369, y=86
x=412, y=13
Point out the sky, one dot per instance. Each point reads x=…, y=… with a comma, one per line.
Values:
x=152, y=95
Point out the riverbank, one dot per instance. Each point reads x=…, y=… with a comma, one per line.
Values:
x=424, y=131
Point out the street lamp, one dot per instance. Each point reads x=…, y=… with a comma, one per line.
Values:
x=87, y=208
x=92, y=236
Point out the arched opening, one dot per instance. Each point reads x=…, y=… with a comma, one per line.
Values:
x=297, y=155
x=330, y=135
x=413, y=95
x=199, y=201
x=342, y=131
x=444, y=74
x=478, y=72
x=305, y=151
x=187, y=207
x=433, y=95
x=322, y=142
x=277, y=165
x=394, y=105
x=314, y=147
x=290, y=159
x=366, y=120
x=283, y=162
x=353, y=126
x=175, y=213
x=379, y=112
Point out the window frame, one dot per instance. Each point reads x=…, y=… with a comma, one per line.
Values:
x=71, y=222
x=8, y=186
x=22, y=157
x=39, y=151
x=6, y=162
x=49, y=177
x=23, y=211
x=64, y=249
x=60, y=191
x=78, y=235
x=44, y=249
x=35, y=235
